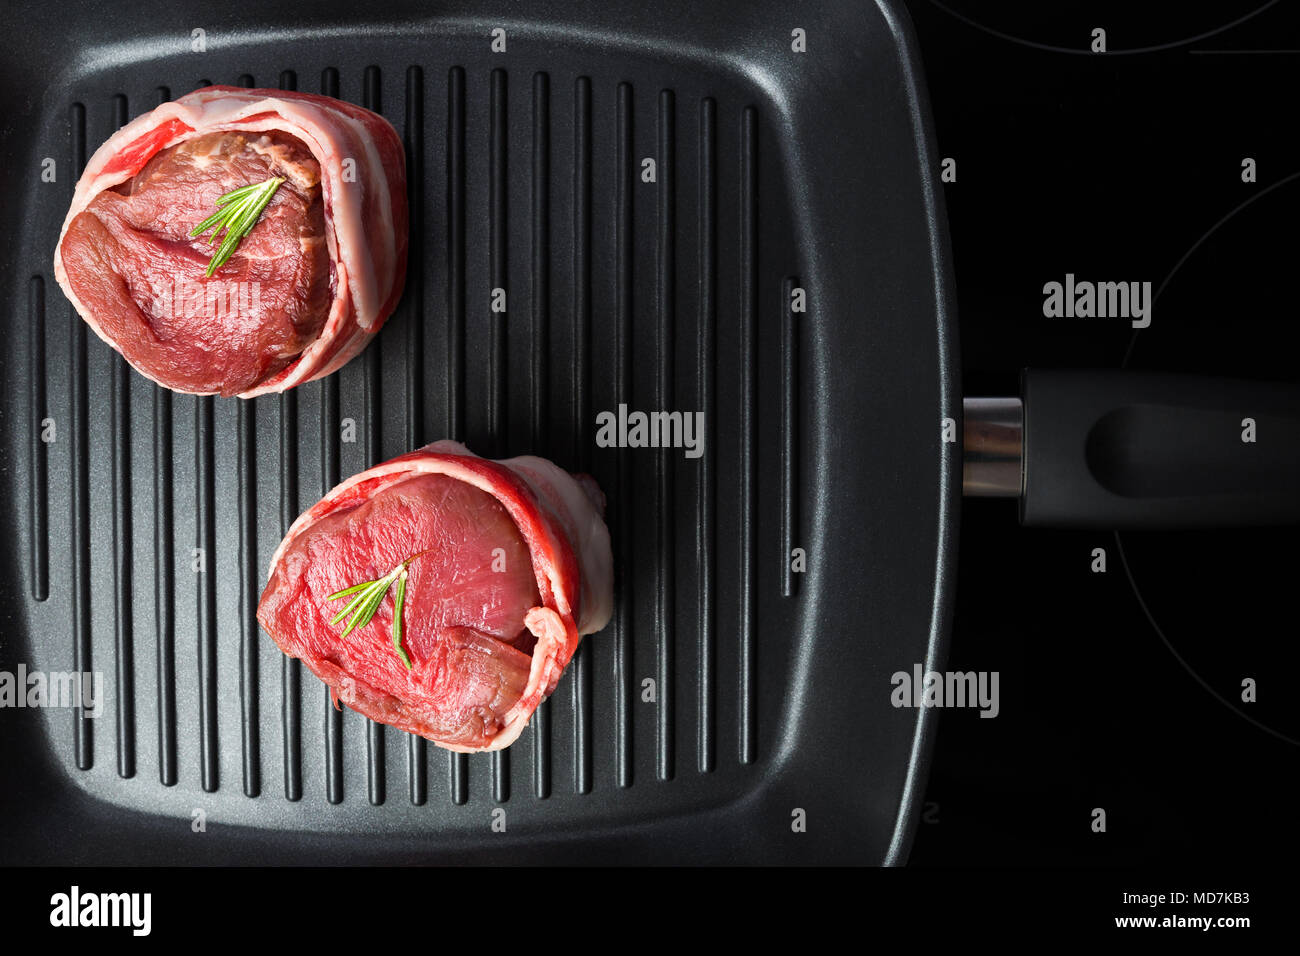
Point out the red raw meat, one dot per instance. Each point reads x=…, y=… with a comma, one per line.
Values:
x=513, y=567
x=306, y=289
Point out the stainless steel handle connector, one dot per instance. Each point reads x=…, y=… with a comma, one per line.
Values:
x=993, y=447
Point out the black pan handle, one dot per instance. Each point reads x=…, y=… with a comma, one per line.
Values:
x=1118, y=449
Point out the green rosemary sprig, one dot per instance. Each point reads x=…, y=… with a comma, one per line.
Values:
x=397, y=618
x=366, y=598
x=237, y=213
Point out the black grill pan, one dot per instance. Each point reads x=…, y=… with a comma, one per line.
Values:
x=775, y=170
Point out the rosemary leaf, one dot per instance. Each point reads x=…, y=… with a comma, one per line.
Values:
x=360, y=599
x=237, y=193
x=370, y=602
x=366, y=598
x=397, y=619
x=352, y=590
x=237, y=213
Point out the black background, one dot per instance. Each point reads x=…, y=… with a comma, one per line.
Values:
x=1114, y=167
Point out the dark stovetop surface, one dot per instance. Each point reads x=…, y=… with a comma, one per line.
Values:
x=1122, y=167
x=1118, y=691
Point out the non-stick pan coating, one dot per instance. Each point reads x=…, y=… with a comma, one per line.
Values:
x=774, y=170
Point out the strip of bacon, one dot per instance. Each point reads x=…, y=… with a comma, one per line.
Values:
x=363, y=181
x=558, y=516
